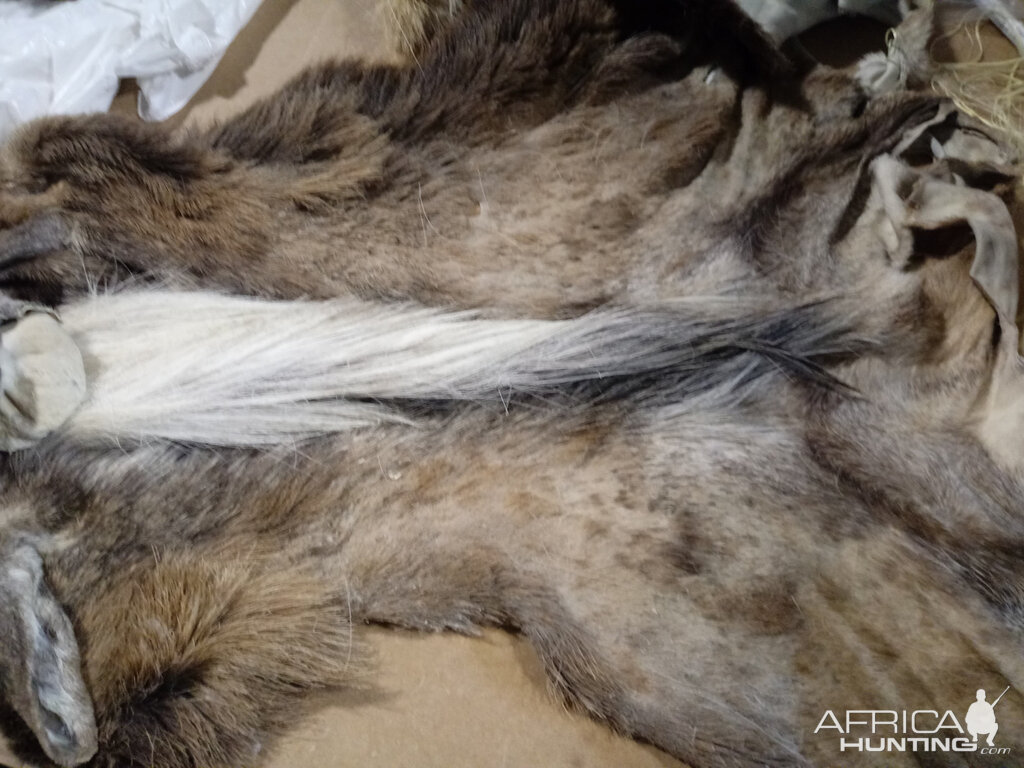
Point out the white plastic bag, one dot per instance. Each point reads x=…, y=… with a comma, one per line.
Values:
x=66, y=57
x=783, y=19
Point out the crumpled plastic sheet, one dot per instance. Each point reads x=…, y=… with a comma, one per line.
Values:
x=1008, y=15
x=783, y=19
x=66, y=56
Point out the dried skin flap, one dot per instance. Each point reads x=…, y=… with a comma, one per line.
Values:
x=938, y=196
x=42, y=379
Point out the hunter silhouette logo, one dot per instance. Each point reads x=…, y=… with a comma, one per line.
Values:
x=981, y=717
x=919, y=730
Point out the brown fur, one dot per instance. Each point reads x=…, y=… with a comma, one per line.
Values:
x=226, y=655
x=709, y=577
x=385, y=159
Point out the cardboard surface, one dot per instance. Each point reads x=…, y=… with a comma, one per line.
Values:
x=438, y=700
x=458, y=702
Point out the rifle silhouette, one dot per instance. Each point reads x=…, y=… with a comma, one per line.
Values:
x=1000, y=696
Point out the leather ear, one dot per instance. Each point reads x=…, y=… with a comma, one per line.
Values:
x=40, y=670
x=956, y=179
x=915, y=200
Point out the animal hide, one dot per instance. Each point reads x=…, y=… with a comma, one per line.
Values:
x=603, y=322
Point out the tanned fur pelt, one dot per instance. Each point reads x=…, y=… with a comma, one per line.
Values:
x=804, y=495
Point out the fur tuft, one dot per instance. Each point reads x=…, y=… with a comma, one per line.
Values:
x=212, y=369
x=412, y=23
x=196, y=664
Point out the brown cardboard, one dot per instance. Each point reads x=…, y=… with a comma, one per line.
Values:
x=458, y=702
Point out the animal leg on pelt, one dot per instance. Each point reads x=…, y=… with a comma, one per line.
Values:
x=260, y=204
x=95, y=200
x=199, y=662
x=620, y=665
x=607, y=612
